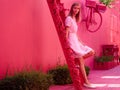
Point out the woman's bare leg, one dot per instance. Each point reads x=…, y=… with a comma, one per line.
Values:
x=82, y=68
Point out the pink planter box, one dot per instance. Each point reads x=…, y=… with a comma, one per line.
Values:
x=101, y=7
x=104, y=65
x=91, y=4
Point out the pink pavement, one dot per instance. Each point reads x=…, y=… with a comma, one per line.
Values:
x=102, y=79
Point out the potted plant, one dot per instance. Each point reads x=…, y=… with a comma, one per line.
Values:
x=107, y=2
x=103, y=62
x=103, y=58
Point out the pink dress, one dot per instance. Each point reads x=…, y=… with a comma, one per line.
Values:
x=78, y=48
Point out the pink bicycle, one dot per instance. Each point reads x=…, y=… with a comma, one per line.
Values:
x=94, y=17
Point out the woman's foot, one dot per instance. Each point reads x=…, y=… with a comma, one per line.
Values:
x=89, y=86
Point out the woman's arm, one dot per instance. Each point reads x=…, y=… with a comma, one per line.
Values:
x=67, y=31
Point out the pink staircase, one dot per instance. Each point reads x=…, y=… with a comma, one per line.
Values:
x=58, y=14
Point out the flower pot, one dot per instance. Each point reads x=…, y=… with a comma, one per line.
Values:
x=91, y=4
x=101, y=8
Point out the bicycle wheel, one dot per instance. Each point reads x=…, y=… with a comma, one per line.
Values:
x=94, y=21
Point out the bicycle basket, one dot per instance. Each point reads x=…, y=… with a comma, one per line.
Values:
x=101, y=8
x=91, y=4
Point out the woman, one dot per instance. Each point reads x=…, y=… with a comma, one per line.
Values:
x=80, y=50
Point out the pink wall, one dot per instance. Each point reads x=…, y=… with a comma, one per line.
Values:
x=28, y=36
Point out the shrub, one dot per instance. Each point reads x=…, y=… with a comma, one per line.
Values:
x=87, y=69
x=25, y=80
x=61, y=74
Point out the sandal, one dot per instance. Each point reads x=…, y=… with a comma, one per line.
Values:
x=89, y=86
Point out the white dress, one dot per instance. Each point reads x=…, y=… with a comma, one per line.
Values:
x=78, y=48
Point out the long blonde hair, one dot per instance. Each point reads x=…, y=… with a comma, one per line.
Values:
x=71, y=12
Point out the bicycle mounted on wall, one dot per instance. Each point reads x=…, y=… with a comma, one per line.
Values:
x=94, y=17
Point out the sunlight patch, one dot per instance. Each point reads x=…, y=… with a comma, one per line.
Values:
x=115, y=77
x=113, y=85
x=107, y=85
x=99, y=85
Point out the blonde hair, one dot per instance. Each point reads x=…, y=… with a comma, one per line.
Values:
x=71, y=12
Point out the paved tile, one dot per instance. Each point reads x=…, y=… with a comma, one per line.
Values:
x=102, y=79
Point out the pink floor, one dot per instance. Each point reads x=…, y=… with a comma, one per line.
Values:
x=103, y=79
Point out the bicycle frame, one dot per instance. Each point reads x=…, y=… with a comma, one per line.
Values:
x=93, y=24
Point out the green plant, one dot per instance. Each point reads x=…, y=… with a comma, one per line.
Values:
x=61, y=74
x=87, y=69
x=107, y=2
x=27, y=80
x=103, y=58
